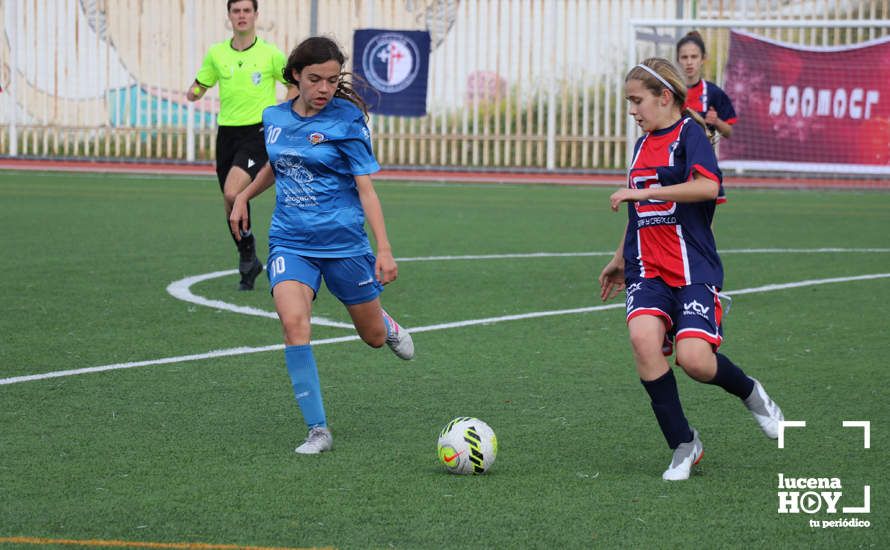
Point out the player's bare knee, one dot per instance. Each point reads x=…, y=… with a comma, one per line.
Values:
x=296, y=331
x=644, y=344
x=696, y=366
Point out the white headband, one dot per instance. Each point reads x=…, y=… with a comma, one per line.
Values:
x=659, y=77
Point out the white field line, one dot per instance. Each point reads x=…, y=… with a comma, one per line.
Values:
x=181, y=289
x=609, y=253
x=427, y=328
x=809, y=282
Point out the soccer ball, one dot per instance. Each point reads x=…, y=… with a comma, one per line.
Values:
x=467, y=446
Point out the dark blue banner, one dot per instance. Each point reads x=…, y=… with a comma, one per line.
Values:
x=392, y=67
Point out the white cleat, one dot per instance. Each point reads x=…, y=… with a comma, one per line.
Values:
x=399, y=340
x=764, y=410
x=686, y=455
x=318, y=441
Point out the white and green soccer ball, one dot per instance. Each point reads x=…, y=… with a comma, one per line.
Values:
x=467, y=446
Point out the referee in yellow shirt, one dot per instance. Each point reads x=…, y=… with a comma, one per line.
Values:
x=246, y=68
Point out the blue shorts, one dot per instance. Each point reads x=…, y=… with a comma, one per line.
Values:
x=691, y=311
x=351, y=280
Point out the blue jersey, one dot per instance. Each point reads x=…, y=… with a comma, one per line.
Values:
x=666, y=239
x=317, y=208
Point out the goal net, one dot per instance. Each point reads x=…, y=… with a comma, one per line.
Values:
x=810, y=96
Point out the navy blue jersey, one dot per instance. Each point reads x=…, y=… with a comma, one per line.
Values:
x=665, y=239
x=317, y=208
x=704, y=95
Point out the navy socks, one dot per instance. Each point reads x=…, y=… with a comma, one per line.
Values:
x=668, y=410
x=731, y=378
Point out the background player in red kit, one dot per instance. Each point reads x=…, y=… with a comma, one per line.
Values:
x=668, y=260
x=702, y=96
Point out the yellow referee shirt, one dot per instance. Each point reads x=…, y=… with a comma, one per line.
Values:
x=246, y=80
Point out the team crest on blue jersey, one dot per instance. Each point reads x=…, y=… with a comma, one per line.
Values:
x=256, y=77
x=366, y=133
x=316, y=137
x=391, y=62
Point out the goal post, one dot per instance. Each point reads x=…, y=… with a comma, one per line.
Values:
x=811, y=96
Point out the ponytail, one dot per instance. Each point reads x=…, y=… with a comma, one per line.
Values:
x=697, y=118
x=346, y=91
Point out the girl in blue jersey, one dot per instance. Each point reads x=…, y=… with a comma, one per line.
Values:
x=702, y=96
x=320, y=159
x=668, y=261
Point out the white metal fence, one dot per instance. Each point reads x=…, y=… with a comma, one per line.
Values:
x=524, y=84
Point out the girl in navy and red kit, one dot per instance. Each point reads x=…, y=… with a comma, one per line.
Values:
x=703, y=96
x=668, y=262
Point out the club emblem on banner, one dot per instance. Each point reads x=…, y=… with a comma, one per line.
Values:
x=392, y=69
x=391, y=62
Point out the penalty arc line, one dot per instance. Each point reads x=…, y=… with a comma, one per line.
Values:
x=181, y=289
x=440, y=326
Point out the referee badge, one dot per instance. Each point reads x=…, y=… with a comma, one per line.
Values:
x=316, y=137
x=257, y=77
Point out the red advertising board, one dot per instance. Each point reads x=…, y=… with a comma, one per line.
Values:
x=808, y=105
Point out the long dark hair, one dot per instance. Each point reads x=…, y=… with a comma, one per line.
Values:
x=316, y=50
x=692, y=37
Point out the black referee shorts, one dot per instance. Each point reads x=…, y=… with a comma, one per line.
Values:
x=241, y=146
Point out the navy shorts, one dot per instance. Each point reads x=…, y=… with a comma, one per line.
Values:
x=691, y=311
x=351, y=280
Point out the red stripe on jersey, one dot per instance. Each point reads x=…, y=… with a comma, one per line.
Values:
x=644, y=178
x=655, y=150
x=705, y=172
x=694, y=97
x=665, y=207
x=660, y=248
x=661, y=254
x=731, y=121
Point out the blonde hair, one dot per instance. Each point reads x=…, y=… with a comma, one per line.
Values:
x=666, y=72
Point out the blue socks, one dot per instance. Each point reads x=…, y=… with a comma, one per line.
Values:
x=386, y=321
x=731, y=378
x=307, y=388
x=668, y=410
